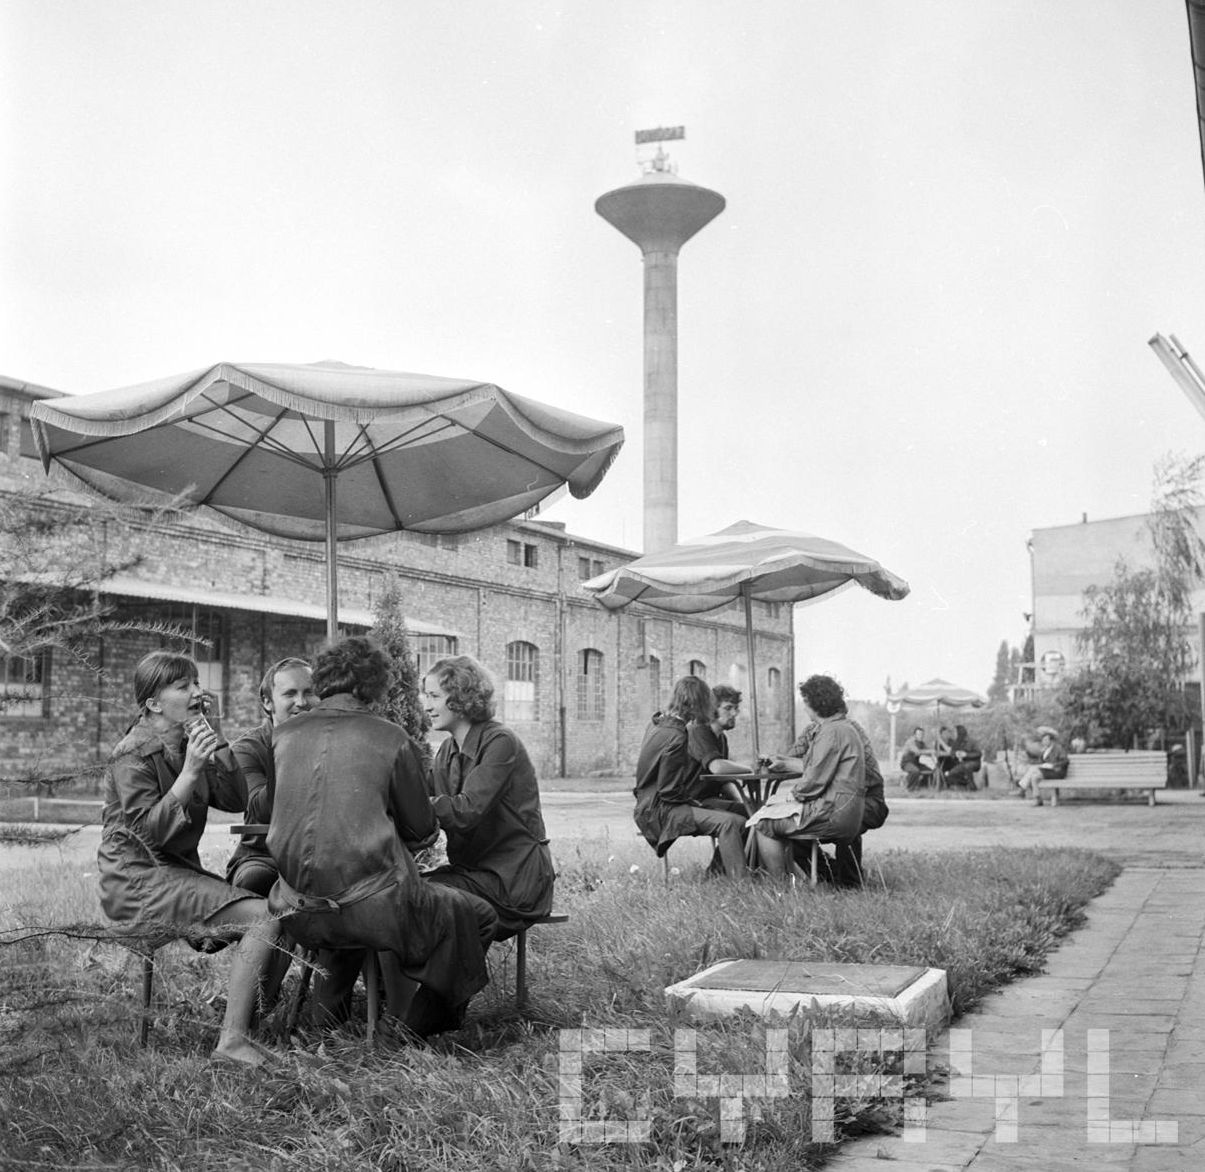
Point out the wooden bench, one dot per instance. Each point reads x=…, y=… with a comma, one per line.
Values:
x=521, y=954
x=1138, y=769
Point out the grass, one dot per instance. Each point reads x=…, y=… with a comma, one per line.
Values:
x=77, y=1092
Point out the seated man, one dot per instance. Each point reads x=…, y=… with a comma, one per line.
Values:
x=670, y=802
x=916, y=760
x=286, y=689
x=828, y=801
x=968, y=759
x=1052, y=765
x=707, y=742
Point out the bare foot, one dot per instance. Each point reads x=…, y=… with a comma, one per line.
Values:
x=239, y=1049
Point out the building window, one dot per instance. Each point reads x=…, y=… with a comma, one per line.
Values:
x=773, y=680
x=697, y=667
x=430, y=648
x=522, y=553
x=23, y=685
x=589, y=568
x=205, y=641
x=773, y=609
x=655, y=682
x=435, y=540
x=522, y=675
x=590, y=685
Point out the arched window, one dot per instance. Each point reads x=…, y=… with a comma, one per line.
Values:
x=590, y=681
x=522, y=676
x=697, y=667
x=773, y=680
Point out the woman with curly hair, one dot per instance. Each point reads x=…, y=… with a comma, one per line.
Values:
x=163, y=776
x=349, y=810
x=827, y=802
x=485, y=795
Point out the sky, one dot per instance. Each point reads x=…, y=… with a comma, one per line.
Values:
x=919, y=327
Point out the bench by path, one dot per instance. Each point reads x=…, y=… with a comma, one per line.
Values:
x=1140, y=770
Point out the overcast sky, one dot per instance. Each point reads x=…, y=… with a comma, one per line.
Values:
x=919, y=327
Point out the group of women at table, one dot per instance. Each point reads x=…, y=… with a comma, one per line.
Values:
x=350, y=800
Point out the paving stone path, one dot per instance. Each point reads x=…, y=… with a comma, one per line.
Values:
x=1123, y=1000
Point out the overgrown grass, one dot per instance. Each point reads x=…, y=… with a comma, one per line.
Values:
x=77, y=1092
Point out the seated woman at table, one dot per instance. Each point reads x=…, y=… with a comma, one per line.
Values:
x=161, y=782
x=350, y=808
x=828, y=801
x=486, y=798
x=671, y=802
x=845, y=867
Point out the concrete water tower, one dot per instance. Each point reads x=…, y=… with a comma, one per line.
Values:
x=659, y=213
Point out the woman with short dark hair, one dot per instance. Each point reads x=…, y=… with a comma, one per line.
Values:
x=163, y=776
x=487, y=800
x=827, y=802
x=350, y=808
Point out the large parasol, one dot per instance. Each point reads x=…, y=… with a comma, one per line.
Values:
x=744, y=562
x=327, y=452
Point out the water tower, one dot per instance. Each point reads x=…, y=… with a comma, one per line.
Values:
x=659, y=213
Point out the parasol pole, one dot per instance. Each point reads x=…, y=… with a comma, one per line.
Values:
x=330, y=474
x=752, y=667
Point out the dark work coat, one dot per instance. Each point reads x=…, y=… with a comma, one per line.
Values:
x=874, y=802
x=350, y=805
x=667, y=783
x=149, y=867
x=253, y=752
x=487, y=801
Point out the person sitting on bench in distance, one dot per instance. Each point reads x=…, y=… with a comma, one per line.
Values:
x=917, y=771
x=1052, y=765
x=165, y=773
x=486, y=798
x=968, y=758
x=286, y=689
x=670, y=801
x=350, y=808
x=828, y=802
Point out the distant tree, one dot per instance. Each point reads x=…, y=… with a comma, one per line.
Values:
x=1136, y=641
x=402, y=703
x=1003, y=677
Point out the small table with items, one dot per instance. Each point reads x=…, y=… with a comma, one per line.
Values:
x=757, y=786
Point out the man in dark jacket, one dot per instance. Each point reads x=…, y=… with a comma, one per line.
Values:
x=286, y=690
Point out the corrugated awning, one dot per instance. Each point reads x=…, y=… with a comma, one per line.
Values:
x=126, y=586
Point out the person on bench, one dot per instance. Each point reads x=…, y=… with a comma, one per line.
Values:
x=1051, y=766
x=671, y=802
x=968, y=760
x=827, y=804
x=286, y=689
x=916, y=760
x=350, y=809
x=484, y=793
x=171, y=766
x=844, y=867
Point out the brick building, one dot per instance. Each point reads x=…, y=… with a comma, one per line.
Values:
x=575, y=681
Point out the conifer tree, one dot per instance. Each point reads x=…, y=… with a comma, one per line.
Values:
x=402, y=703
